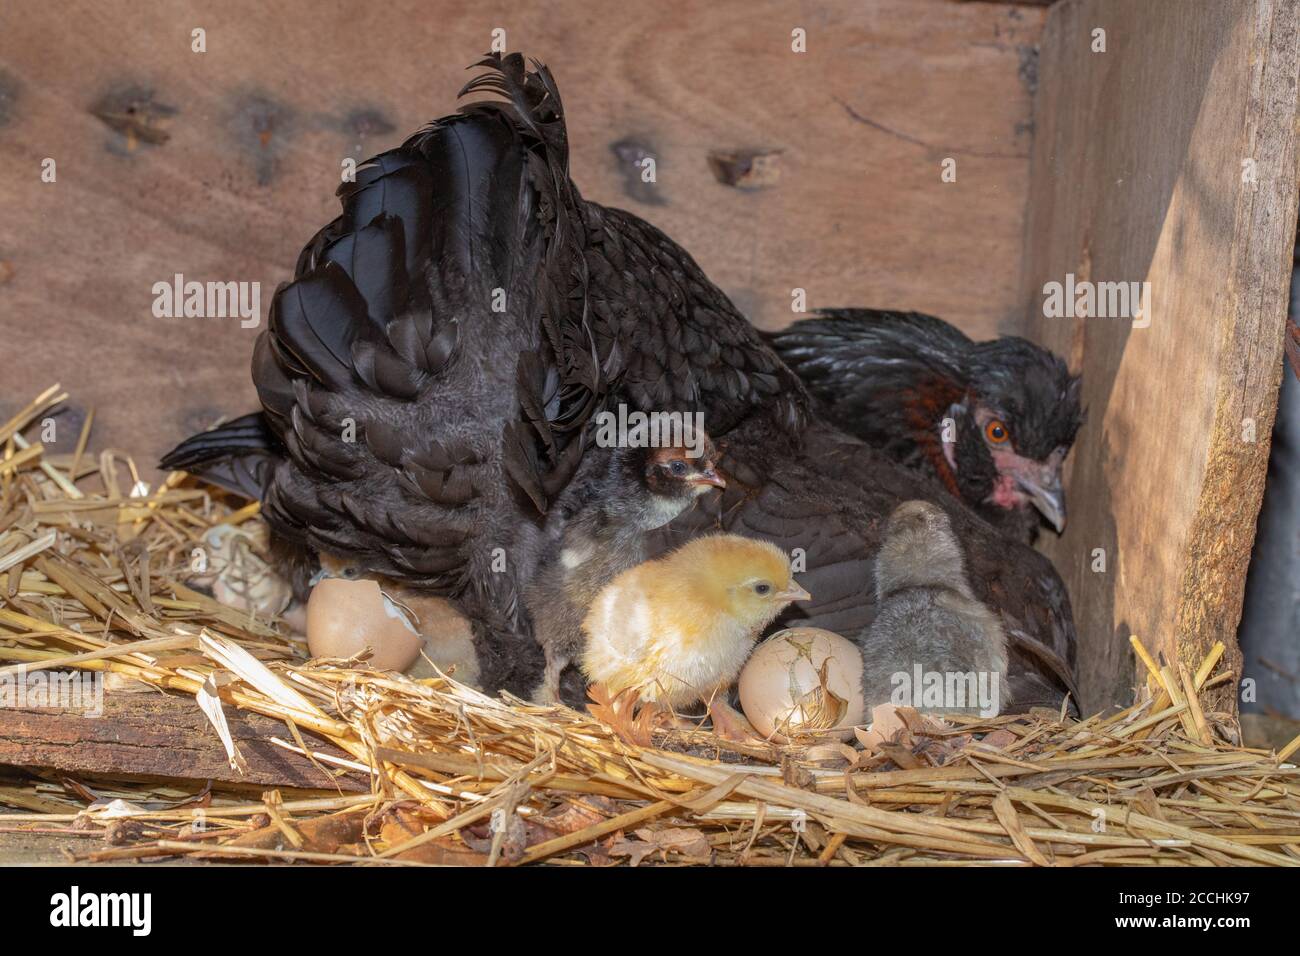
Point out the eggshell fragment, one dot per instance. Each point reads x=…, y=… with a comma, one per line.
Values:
x=885, y=723
x=448, y=638
x=344, y=617
x=803, y=682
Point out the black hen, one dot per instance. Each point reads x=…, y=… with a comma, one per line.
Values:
x=469, y=422
x=426, y=377
x=993, y=421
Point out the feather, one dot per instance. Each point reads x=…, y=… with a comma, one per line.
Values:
x=385, y=372
x=519, y=456
x=374, y=258
x=450, y=489
x=441, y=347
x=387, y=442
x=316, y=319
x=396, y=183
x=236, y=456
x=274, y=388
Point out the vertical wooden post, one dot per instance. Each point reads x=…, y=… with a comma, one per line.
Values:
x=1164, y=153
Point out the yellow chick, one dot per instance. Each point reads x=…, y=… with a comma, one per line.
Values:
x=680, y=627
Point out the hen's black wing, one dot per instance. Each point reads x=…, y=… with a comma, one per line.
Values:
x=238, y=455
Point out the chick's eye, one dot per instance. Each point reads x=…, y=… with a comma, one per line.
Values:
x=762, y=588
x=996, y=431
x=678, y=468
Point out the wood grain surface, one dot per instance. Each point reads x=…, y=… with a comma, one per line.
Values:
x=155, y=735
x=1139, y=174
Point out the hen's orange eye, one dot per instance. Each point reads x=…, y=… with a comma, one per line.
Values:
x=996, y=431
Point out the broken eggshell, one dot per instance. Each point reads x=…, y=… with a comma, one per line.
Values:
x=803, y=682
x=344, y=617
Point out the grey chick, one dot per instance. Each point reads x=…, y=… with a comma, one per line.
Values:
x=932, y=645
x=604, y=523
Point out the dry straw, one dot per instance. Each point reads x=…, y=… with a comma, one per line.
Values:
x=94, y=578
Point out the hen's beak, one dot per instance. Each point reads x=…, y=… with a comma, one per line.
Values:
x=709, y=477
x=794, y=593
x=1047, y=496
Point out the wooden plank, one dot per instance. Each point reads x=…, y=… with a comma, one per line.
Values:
x=231, y=157
x=1137, y=175
x=156, y=735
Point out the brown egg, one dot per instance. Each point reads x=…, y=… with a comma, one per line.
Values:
x=803, y=682
x=346, y=616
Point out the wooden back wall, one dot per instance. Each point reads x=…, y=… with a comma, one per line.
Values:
x=220, y=165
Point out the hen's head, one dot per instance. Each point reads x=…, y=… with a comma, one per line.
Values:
x=992, y=420
x=1006, y=439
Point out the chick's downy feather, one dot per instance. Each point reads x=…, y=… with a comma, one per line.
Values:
x=680, y=627
x=928, y=617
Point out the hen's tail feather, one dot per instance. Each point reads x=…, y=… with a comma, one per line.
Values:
x=237, y=455
x=314, y=322
x=564, y=384
x=532, y=102
x=387, y=298
x=374, y=257
x=1057, y=668
x=397, y=183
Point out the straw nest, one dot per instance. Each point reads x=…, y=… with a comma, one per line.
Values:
x=92, y=576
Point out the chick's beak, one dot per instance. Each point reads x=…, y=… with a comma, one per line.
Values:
x=1047, y=495
x=794, y=593
x=708, y=476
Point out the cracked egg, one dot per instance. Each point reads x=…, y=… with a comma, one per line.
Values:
x=803, y=682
